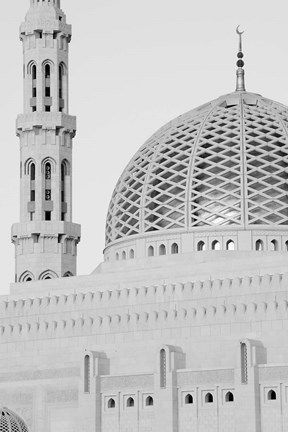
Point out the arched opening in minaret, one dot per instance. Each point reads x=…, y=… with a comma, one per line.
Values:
x=61, y=101
x=47, y=87
x=62, y=73
x=34, y=87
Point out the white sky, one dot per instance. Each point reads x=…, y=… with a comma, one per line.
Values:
x=134, y=65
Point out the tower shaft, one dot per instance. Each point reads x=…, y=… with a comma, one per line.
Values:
x=45, y=239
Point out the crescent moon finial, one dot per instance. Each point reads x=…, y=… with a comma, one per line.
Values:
x=238, y=31
x=240, y=84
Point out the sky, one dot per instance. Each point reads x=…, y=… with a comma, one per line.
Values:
x=134, y=65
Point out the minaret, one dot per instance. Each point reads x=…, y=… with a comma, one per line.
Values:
x=45, y=239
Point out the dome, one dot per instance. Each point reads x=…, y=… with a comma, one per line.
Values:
x=11, y=422
x=221, y=166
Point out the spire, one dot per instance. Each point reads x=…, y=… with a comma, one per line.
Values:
x=240, y=81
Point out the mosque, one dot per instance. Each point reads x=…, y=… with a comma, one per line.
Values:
x=184, y=325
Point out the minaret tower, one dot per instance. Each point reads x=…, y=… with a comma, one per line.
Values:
x=45, y=239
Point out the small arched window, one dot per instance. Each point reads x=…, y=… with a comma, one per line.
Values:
x=117, y=256
x=271, y=395
x=229, y=397
x=150, y=251
x=130, y=402
x=149, y=401
x=174, y=249
x=162, y=368
x=286, y=245
x=86, y=374
x=131, y=254
x=188, y=399
x=123, y=255
x=208, y=398
x=162, y=249
x=274, y=245
x=111, y=403
x=34, y=72
x=215, y=245
x=259, y=245
x=32, y=171
x=230, y=245
x=201, y=246
x=47, y=71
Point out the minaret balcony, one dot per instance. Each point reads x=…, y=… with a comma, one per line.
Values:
x=49, y=120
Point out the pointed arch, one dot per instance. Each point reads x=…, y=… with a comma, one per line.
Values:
x=149, y=401
x=230, y=245
x=48, y=274
x=188, y=399
x=201, y=246
x=259, y=245
x=66, y=167
x=27, y=276
x=130, y=402
x=52, y=162
x=162, y=249
x=174, y=248
x=209, y=398
x=150, y=251
x=229, y=397
x=216, y=245
x=32, y=69
x=111, y=403
x=68, y=274
x=28, y=166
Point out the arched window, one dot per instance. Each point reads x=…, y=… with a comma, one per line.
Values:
x=244, y=365
x=215, y=245
x=151, y=251
x=162, y=249
x=230, y=245
x=34, y=87
x=274, y=245
x=117, y=256
x=130, y=402
x=271, y=395
x=47, y=71
x=174, y=248
x=286, y=245
x=63, y=189
x=48, y=188
x=149, y=401
x=32, y=171
x=62, y=83
x=47, y=87
x=111, y=403
x=131, y=254
x=87, y=374
x=229, y=397
x=188, y=399
x=123, y=255
x=201, y=246
x=208, y=398
x=68, y=274
x=162, y=368
x=259, y=245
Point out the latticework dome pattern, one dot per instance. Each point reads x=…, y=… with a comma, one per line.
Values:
x=11, y=422
x=223, y=164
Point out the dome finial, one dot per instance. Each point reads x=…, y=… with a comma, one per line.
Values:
x=240, y=82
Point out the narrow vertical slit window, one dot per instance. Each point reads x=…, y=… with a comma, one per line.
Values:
x=244, y=366
x=60, y=88
x=87, y=374
x=47, y=87
x=162, y=368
